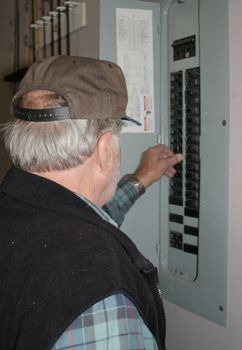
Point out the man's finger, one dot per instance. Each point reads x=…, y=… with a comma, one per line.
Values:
x=170, y=171
x=174, y=159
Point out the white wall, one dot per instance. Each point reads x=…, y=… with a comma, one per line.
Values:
x=187, y=331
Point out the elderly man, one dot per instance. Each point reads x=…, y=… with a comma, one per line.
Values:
x=70, y=279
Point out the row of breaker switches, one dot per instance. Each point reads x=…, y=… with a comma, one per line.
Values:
x=192, y=182
x=184, y=189
x=176, y=132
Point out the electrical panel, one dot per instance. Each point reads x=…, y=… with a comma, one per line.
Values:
x=183, y=136
x=193, y=226
x=180, y=224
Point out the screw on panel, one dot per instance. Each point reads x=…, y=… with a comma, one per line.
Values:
x=221, y=308
x=224, y=122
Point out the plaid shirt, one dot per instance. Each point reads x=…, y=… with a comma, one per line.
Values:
x=114, y=322
x=123, y=199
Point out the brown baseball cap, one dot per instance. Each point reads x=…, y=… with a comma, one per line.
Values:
x=92, y=89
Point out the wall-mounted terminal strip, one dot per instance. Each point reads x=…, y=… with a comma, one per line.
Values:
x=184, y=48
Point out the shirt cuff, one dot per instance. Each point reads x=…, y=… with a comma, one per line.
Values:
x=125, y=196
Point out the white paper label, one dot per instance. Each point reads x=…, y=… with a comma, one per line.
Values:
x=135, y=56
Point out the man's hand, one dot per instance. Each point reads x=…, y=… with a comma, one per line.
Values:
x=155, y=162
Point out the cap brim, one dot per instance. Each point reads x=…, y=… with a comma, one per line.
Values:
x=132, y=120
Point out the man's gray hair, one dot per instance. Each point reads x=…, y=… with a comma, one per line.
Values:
x=54, y=145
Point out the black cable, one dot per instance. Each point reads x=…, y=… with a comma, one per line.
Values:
x=68, y=48
x=44, y=28
x=59, y=28
x=33, y=30
x=52, y=28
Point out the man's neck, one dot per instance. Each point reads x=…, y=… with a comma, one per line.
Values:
x=79, y=180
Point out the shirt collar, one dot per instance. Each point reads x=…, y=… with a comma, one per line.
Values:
x=103, y=214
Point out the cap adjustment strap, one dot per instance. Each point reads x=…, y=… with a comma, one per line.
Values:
x=40, y=115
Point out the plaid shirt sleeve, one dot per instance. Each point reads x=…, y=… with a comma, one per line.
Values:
x=113, y=323
x=123, y=199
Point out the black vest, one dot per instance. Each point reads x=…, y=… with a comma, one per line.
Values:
x=57, y=258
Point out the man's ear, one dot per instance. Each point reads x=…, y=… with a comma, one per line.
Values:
x=103, y=152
